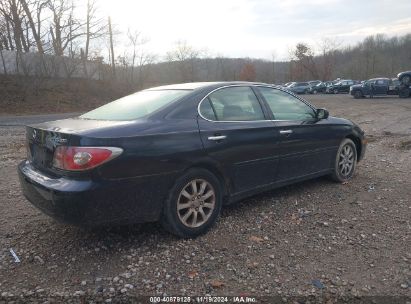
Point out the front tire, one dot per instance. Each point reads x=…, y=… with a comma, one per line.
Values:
x=345, y=161
x=404, y=92
x=193, y=205
x=357, y=95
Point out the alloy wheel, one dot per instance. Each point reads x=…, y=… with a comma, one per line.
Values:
x=196, y=203
x=346, y=160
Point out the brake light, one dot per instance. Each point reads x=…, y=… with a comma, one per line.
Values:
x=83, y=158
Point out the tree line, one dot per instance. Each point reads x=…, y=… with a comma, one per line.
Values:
x=76, y=30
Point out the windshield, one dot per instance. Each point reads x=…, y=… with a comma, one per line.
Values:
x=135, y=106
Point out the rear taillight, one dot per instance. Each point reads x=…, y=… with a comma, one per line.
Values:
x=83, y=158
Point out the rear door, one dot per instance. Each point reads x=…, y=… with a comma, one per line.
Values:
x=307, y=145
x=237, y=134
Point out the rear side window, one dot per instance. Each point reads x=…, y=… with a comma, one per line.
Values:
x=285, y=106
x=232, y=104
x=136, y=105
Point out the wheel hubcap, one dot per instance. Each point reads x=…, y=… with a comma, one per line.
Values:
x=196, y=203
x=346, y=160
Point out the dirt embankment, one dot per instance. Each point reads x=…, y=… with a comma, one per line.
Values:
x=34, y=95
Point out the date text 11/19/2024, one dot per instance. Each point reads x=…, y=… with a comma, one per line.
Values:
x=204, y=299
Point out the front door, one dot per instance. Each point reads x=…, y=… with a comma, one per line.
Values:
x=236, y=133
x=381, y=87
x=307, y=145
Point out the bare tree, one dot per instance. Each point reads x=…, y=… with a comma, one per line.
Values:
x=140, y=58
x=95, y=27
x=110, y=33
x=186, y=56
x=64, y=28
x=35, y=28
x=304, y=57
x=326, y=58
x=12, y=12
x=248, y=72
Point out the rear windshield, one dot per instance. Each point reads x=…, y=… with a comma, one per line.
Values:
x=136, y=105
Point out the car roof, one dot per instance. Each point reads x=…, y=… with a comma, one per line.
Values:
x=200, y=85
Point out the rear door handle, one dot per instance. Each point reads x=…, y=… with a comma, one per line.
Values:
x=286, y=132
x=216, y=138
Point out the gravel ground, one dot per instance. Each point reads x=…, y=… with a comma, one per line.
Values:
x=314, y=238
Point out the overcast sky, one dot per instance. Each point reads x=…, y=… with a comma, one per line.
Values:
x=256, y=28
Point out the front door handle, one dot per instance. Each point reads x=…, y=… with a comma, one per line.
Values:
x=217, y=138
x=286, y=132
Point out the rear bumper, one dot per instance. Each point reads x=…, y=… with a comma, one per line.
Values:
x=91, y=203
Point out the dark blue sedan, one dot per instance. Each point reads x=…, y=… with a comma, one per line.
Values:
x=178, y=153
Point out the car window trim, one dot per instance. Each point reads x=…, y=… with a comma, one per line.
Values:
x=235, y=121
x=260, y=100
x=287, y=92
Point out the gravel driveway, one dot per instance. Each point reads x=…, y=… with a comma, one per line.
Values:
x=313, y=238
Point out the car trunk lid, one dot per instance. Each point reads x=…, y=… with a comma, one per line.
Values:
x=43, y=139
x=41, y=145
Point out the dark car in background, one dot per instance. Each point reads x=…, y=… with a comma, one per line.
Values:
x=177, y=153
x=313, y=83
x=319, y=88
x=404, y=89
x=288, y=84
x=379, y=87
x=342, y=86
x=299, y=87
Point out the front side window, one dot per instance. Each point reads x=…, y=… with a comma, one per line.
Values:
x=232, y=104
x=285, y=106
x=136, y=105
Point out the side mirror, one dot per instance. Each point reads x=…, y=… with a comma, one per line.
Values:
x=322, y=114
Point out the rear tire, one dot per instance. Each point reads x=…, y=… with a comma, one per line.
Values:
x=345, y=161
x=335, y=91
x=193, y=205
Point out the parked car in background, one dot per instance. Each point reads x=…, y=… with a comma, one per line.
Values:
x=287, y=84
x=343, y=86
x=380, y=87
x=404, y=89
x=319, y=88
x=177, y=153
x=313, y=83
x=328, y=83
x=299, y=87
x=393, y=86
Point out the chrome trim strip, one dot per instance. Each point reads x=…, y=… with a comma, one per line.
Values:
x=250, y=85
x=220, y=137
